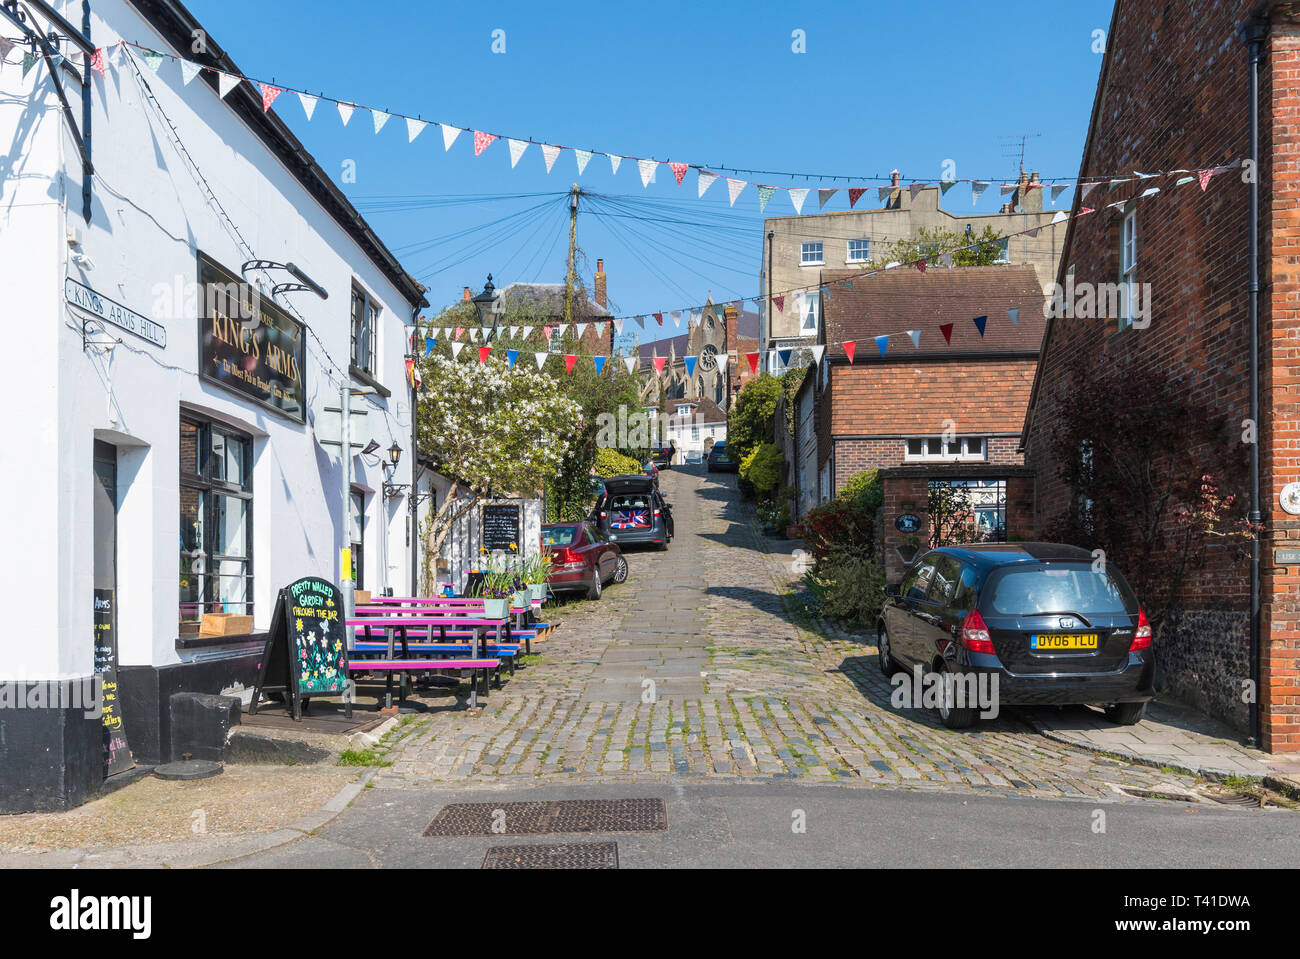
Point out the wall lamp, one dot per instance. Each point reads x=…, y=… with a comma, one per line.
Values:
x=305, y=283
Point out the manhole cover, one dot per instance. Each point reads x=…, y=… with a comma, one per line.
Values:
x=536, y=818
x=577, y=855
x=191, y=769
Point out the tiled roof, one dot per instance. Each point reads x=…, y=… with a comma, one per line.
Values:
x=703, y=407
x=904, y=298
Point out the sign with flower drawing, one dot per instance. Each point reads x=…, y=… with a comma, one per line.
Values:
x=306, y=652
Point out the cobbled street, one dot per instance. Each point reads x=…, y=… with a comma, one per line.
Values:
x=694, y=670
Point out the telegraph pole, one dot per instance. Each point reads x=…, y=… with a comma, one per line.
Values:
x=572, y=275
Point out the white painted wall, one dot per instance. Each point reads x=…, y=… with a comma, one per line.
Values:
x=151, y=216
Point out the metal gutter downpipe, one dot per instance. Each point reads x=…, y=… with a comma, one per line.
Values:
x=1254, y=32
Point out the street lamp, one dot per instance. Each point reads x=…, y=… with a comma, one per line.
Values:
x=394, y=454
x=487, y=304
x=392, y=490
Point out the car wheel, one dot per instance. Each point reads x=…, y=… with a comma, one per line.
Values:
x=620, y=571
x=885, y=654
x=593, y=591
x=952, y=716
x=1126, y=714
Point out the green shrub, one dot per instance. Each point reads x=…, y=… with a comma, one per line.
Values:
x=851, y=590
x=864, y=491
x=613, y=463
x=762, y=469
x=839, y=528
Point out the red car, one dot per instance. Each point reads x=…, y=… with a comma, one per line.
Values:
x=583, y=559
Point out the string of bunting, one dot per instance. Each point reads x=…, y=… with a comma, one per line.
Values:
x=1203, y=178
x=648, y=168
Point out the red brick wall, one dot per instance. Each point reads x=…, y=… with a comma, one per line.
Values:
x=1175, y=96
x=853, y=456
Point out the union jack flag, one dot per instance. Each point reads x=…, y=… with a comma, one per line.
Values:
x=628, y=518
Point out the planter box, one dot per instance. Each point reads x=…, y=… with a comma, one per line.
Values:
x=225, y=624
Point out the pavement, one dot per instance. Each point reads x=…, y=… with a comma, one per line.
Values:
x=693, y=681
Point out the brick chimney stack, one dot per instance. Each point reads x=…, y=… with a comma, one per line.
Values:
x=730, y=341
x=893, y=179
x=600, y=283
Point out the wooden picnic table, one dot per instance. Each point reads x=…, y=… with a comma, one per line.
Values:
x=394, y=625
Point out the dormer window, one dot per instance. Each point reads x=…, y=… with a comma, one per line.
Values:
x=683, y=409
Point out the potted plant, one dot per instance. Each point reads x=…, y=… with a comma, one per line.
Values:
x=498, y=586
x=536, y=571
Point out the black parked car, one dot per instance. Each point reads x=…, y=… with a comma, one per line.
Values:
x=720, y=460
x=1053, y=627
x=663, y=456
x=633, y=511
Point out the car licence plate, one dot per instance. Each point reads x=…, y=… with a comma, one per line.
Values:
x=1054, y=642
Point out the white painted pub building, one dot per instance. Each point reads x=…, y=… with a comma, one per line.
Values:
x=171, y=453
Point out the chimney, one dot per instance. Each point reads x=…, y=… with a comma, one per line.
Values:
x=730, y=341
x=468, y=295
x=893, y=179
x=600, y=283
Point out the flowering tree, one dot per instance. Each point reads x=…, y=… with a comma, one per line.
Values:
x=490, y=428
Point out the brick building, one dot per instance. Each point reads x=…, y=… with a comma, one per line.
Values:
x=1174, y=94
x=931, y=404
x=719, y=341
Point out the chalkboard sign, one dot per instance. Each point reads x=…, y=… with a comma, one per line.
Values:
x=117, y=754
x=501, y=527
x=306, y=652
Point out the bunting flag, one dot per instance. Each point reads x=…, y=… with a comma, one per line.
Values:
x=780, y=303
x=882, y=343
x=722, y=363
x=916, y=338
x=850, y=346
x=583, y=157
x=1204, y=176
x=614, y=161
x=659, y=318
x=882, y=194
x=581, y=329
x=647, y=168
x=308, y=103
x=980, y=322
x=482, y=141
x=449, y=135
x=410, y=372
x=569, y=360
x=823, y=196
x=1007, y=188
x=659, y=362
x=227, y=82
x=706, y=180
x=550, y=154
x=269, y=93
x=797, y=197
x=855, y=194
x=630, y=363
x=473, y=333
x=460, y=330
x=511, y=357
x=977, y=188
x=734, y=188
x=1057, y=190
x=414, y=128
x=945, y=186
x=345, y=112
x=380, y=118
x=679, y=170
x=946, y=330
x=1014, y=316
x=189, y=70
x=428, y=345
x=600, y=363
x=1085, y=189
x=456, y=348
x=152, y=59
x=618, y=325
x=6, y=45
x=753, y=362
x=517, y=148
x=96, y=60
x=914, y=189
x=483, y=353
x=1060, y=217
x=677, y=318
x=546, y=333
x=817, y=352
x=540, y=358
x=785, y=356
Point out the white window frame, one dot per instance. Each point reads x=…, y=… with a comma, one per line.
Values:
x=811, y=307
x=959, y=450
x=805, y=249
x=848, y=251
x=1128, y=245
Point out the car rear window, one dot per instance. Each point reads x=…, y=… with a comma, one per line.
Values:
x=559, y=535
x=632, y=501
x=1058, y=588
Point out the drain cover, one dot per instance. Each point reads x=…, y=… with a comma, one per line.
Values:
x=578, y=855
x=1157, y=794
x=1235, y=799
x=537, y=818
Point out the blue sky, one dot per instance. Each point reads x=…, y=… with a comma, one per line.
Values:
x=904, y=86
